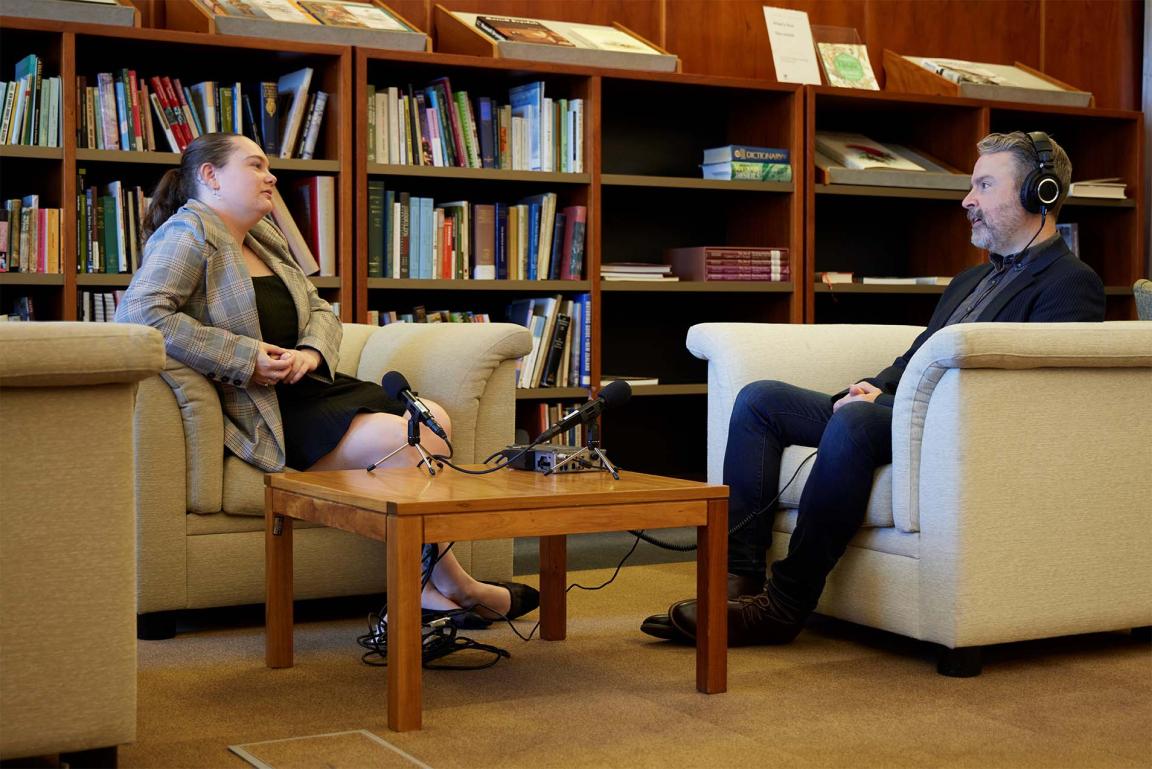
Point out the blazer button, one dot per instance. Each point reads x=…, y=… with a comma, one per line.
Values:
x=237, y=382
x=211, y=374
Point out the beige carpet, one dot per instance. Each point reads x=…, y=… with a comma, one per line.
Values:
x=842, y=695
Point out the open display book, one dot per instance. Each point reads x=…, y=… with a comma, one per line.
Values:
x=339, y=22
x=562, y=42
x=979, y=80
x=851, y=158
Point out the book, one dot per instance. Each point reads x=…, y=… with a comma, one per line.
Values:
x=1004, y=82
x=935, y=175
x=341, y=13
x=602, y=38
x=1070, y=231
x=277, y=10
x=870, y=280
x=484, y=241
x=520, y=30
x=297, y=245
x=572, y=248
x=607, y=379
x=746, y=170
x=730, y=263
x=1111, y=188
x=854, y=150
x=829, y=277
x=308, y=143
x=555, y=352
x=744, y=152
x=292, y=90
x=846, y=65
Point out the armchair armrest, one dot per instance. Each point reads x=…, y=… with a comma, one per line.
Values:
x=468, y=368
x=1021, y=455
x=70, y=354
x=826, y=358
x=934, y=386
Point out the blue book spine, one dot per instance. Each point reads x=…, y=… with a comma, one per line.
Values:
x=487, y=133
x=122, y=112
x=557, y=244
x=427, y=238
x=533, y=239
x=415, y=232
x=501, y=241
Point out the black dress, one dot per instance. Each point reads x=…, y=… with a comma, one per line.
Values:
x=316, y=414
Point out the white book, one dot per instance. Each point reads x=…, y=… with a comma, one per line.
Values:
x=380, y=106
x=578, y=107
x=326, y=224
x=12, y=136
x=547, y=150
x=853, y=150
x=293, y=88
x=7, y=99
x=163, y=121
x=54, y=113
x=314, y=126
x=393, y=124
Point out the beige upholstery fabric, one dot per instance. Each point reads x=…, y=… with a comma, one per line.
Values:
x=67, y=538
x=1020, y=480
x=201, y=529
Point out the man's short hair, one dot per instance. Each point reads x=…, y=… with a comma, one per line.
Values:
x=1020, y=146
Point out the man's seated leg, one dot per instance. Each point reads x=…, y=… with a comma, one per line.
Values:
x=857, y=440
x=766, y=417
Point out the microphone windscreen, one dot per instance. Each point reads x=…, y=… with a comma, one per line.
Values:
x=394, y=383
x=616, y=393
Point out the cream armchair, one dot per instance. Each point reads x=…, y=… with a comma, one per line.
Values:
x=1017, y=502
x=67, y=537
x=201, y=540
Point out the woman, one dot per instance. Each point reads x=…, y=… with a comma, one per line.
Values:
x=218, y=282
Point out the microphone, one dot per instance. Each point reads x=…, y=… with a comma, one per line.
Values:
x=615, y=394
x=396, y=386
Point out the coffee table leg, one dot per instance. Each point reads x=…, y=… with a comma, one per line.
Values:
x=553, y=599
x=277, y=586
x=405, y=698
x=712, y=598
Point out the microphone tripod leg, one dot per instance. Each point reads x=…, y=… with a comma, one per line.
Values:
x=388, y=456
x=606, y=463
x=426, y=459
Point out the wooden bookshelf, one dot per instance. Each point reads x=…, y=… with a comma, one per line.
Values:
x=892, y=231
x=79, y=49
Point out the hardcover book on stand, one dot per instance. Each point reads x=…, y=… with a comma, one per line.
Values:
x=563, y=42
x=339, y=22
x=979, y=80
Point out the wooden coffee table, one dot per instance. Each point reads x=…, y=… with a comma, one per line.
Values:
x=406, y=507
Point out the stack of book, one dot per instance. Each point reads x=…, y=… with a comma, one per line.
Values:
x=439, y=126
x=1112, y=188
x=281, y=116
x=29, y=236
x=30, y=106
x=618, y=271
x=561, y=330
x=739, y=161
x=730, y=263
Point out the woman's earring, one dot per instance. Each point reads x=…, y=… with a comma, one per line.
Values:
x=216, y=192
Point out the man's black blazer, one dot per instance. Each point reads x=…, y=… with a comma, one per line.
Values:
x=1057, y=287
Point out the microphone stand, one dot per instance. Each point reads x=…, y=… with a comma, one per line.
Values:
x=414, y=441
x=591, y=446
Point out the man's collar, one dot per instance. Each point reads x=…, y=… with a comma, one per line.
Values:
x=1021, y=259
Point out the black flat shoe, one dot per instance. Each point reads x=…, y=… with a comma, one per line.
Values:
x=524, y=598
x=660, y=626
x=465, y=619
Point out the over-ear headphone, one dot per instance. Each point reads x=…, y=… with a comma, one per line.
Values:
x=1041, y=188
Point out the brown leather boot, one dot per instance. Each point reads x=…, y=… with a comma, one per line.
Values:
x=752, y=620
x=744, y=584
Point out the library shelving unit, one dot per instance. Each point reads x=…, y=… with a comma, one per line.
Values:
x=79, y=49
x=651, y=197
x=908, y=232
x=644, y=135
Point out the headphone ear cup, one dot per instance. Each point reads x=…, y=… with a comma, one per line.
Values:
x=1028, y=193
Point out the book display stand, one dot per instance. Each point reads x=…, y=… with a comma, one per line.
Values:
x=1020, y=83
x=192, y=16
x=120, y=13
x=561, y=42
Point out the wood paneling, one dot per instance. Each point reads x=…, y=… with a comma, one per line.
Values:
x=1096, y=45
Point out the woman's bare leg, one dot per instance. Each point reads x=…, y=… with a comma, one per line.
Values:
x=372, y=436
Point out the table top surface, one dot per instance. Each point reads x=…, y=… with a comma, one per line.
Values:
x=412, y=491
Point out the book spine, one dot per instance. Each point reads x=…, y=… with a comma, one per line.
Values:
x=314, y=127
x=375, y=229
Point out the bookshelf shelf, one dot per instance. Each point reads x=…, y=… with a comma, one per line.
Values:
x=640, y=391
x=31, y=153
x=550, y=393
x=484, y=174
x=861, y=190
x=875, y=288
x=671, y=182
x=102, y=279
x=30, y=279
x=1101, y=202
x=698, y=286
x=440, y=284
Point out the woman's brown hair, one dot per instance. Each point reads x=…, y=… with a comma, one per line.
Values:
x=178, y=185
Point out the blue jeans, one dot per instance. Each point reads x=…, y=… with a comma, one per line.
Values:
x=852, y=442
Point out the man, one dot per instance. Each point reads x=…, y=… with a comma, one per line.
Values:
x=1018, y=185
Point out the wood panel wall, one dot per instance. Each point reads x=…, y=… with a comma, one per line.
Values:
x=1096, y=45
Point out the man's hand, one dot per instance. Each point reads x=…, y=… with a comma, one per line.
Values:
x=861, y=391
x=271, y=365
x=302, y=362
